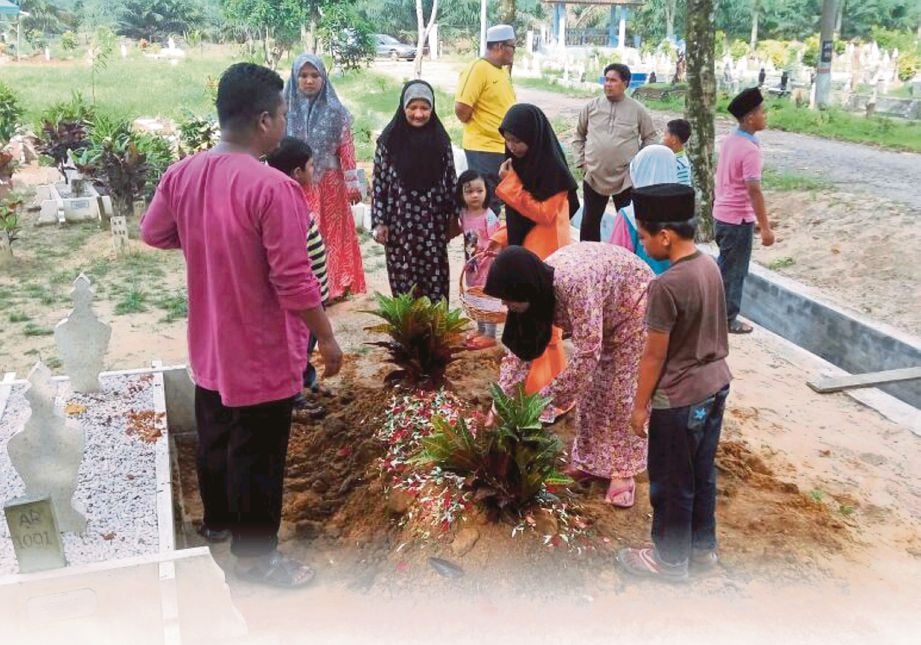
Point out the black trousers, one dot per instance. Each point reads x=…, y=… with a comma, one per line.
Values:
x=593, y=206
x=682, y=477
x=241, y=468
x=735, y=242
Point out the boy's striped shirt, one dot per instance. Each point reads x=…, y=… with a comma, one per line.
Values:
x=316, y=251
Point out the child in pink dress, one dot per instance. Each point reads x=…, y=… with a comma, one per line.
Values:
x=479, y=224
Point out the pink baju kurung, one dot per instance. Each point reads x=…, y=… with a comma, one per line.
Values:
x=600, y=295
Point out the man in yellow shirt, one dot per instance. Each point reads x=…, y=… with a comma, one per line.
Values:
x=484, y=95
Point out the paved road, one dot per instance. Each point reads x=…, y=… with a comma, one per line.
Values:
x=853, y=168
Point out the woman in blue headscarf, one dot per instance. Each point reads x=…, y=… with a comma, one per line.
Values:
x=317, y=116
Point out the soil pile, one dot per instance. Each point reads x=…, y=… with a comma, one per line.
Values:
x=337, y=502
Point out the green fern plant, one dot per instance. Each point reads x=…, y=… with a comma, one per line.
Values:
x=508, y=467
x=425, y=336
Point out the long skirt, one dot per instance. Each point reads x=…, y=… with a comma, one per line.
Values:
x=605, y=446
x=329, y=200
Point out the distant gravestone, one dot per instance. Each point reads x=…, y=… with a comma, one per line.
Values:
x=119, y=227
x=82, y=339
x=35, y=534
x=47, y=452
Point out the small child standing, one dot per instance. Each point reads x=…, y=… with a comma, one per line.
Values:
x=677, y=134
x=479, y=224
x=295, y=158
x=685, y=379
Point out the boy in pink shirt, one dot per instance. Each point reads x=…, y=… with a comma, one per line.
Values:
x=252, y=299
x=739, y=201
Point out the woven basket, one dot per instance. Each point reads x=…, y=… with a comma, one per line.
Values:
x=477, y=305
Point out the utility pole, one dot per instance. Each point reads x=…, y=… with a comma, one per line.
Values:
x=826, y=53
x=482, y=27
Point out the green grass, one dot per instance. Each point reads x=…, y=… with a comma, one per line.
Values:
x=18, y=317
x=132, y=302
x=788, y=181
x=34, y=330
x=176, y=306
x=135, y=86
x=781, y=263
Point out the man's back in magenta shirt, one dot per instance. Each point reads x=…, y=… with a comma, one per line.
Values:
x=242, y=227
x=739, y=162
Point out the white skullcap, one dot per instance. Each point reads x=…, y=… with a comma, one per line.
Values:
x=500, y=33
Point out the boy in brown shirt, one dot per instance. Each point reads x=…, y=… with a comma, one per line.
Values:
x=685, y=379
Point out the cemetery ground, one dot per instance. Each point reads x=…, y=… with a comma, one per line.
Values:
x=820, y=496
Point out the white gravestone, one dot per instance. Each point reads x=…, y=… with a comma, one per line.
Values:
x=119, y=227
x=47, y=452
x=35, y=534
x=82, y=339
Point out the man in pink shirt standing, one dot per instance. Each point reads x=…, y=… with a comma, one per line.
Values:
x=252, y=298
x=739, y=201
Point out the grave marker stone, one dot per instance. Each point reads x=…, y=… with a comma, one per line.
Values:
x=119, y=226
x=82, y=338
x=35, y=534
x=47, y=452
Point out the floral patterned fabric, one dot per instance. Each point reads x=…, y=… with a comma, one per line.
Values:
x=417, y=248
x=329, y=199
x=601, y=299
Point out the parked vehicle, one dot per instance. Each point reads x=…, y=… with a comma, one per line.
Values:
x=390, y=47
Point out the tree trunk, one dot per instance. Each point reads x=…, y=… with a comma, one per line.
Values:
x=424, y=31
x=700, y=105
x=670, y=18
x=508, y=11
x=756, y=14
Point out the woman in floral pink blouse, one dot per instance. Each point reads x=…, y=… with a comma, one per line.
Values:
x=597, y=292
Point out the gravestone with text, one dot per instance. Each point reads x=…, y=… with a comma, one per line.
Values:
x=48, y=451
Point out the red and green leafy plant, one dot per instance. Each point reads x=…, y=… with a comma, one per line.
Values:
x=425, y=336
x=64, y=127
x=508, y=467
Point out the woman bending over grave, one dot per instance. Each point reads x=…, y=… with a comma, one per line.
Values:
x=596, y=292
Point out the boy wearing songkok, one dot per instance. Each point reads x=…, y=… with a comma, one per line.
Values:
x=684, y=379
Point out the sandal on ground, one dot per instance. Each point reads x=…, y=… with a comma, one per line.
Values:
x=276, y=570
x=480, y=342
x=739, y=327
x=629, y=491
x=643, y=563
x=704, y=560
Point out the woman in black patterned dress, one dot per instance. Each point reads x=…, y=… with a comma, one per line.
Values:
x=413, y=195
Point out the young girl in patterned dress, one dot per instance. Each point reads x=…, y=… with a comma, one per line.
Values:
x=479, y=224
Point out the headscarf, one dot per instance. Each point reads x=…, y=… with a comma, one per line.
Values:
x=419, y=154
x=319, y=120
x=518, y=275
x=543, y=170
x=652, y=165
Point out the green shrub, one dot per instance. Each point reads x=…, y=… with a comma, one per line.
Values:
x=197, y=134
x=425, y=336
x=507, y=467
x=10, y=114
